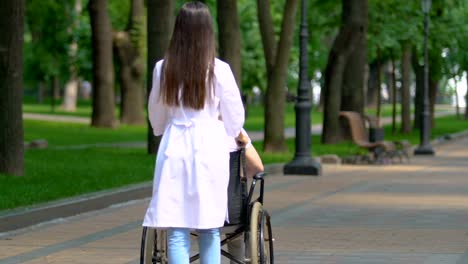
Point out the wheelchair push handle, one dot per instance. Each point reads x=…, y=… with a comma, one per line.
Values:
x=257, y=177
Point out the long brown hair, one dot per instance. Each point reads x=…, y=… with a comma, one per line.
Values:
x=189, y=60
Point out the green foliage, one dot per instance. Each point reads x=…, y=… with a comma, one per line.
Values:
x=119, y=12
x=391, y=23
x=324, y=21
x=51, y=27
x=83, y=58
x=448, y=38
x=253, y=61
x=46, y=48
x=455, y=25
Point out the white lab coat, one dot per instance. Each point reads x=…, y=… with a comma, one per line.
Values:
x=192, y=165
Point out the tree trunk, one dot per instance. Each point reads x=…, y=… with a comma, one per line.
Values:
x=466, y=96
x=54, y=92
x=229, y=36
x=457, y=100
x=418, y=98
x=347, y=40
x=388, y=80
x=277, y=67
x=379, y=81
x=70, y=95
x=159, y=26
x=129, y=49
x=40, y=92
x=268, y=33
x=433, y=91
x=405, y=88
x=11, y=87
x=332, y=95
x=103, y=68
x=373, y=85
x=321, y=102
x=352, y=97
x=435, y=73
x=394, y=96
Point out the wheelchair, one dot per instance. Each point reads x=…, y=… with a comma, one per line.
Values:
x=247, y=216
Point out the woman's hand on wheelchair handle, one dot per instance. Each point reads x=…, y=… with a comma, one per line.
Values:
x=242, y=140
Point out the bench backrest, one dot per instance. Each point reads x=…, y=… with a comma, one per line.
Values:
x=358, y=129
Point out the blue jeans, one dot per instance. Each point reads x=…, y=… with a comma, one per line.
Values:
x=178, y=245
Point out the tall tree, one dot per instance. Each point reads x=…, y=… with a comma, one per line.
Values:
x=394, y=93
x=466, y=95
x=103, y=67
x=159, y=27
x=373, y=85
x=352, y=96
x=71, y=88
x=419, y=86
x=435, y=76
x=229, y=36
x=348, y=39
x=276, y=57
x=405, y=88
x=11, y=87
x=129, y=49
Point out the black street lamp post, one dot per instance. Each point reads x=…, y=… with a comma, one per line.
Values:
x=303, y=164
x=425, y=147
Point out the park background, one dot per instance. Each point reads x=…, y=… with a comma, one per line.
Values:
x=90, y=59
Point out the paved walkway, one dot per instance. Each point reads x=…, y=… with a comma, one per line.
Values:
x=413, y=213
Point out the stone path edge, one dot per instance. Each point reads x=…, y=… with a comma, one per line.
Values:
x=27, y=216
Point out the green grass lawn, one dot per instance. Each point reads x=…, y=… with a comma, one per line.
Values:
x=255, y=117
x=385, y=111
x=63, y=134
x=443, y=126
x=30, y=105
x=81, y=111
x=52, y=174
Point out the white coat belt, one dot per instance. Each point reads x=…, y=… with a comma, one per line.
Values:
x=188, y=135
x=182, y=132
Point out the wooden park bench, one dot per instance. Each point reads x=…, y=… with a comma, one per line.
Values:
x=381, y=150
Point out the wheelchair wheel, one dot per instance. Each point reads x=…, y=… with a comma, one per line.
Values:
x=153, y=246
x=261, y=240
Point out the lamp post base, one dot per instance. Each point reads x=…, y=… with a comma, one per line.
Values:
x=424, y=150
x=303, y=166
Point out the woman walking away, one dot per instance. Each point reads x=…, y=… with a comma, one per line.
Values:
x=191, y=88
